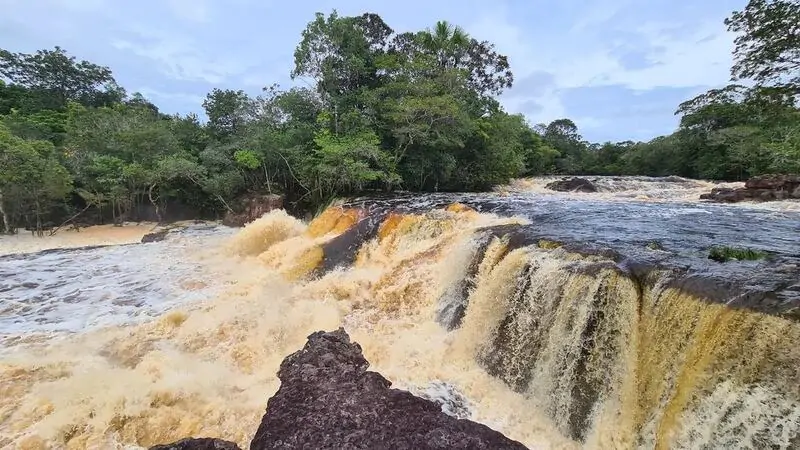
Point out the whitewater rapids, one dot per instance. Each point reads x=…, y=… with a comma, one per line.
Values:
x=209, y=367
x=555, y=349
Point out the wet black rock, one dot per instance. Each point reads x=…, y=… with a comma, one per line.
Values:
x=156, y=236
x=328, y=400
x=762, y=188
x=773, y=182
x=342, y=250
x=198, y=444
x=250, y=208
x=572, y=185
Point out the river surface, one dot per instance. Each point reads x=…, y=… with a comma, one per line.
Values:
x=126, y=346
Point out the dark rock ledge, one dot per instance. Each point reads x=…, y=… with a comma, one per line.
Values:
x=574, y=184
x=762, y=188
x=328, y=400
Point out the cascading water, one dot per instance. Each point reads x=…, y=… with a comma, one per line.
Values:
x=619, y=363
x=503, y=319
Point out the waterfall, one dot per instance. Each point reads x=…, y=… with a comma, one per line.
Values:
x=553, y=344
x=619, y=362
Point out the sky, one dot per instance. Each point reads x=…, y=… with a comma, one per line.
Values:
x=617, y=68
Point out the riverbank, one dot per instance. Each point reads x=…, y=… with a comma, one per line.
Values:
x=26, y=242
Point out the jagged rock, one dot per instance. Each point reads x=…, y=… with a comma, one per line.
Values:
x=773, y=182
x=728, y=195
x=761, y=188
x=251, y=208
x=328, y=400
x=198, y=444
x=572, y=185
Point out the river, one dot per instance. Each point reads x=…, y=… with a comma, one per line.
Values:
x=543, y=315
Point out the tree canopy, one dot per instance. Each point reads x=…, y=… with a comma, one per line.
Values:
x=383, y=110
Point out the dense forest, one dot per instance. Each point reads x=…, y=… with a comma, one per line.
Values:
x=383, y=111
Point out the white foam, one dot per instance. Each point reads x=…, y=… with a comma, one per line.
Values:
x=77, y=290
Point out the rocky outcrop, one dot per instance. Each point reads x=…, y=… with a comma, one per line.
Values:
x=761, y=188
x=328, y=400
x=572, y=185
x=774, y=182
x=251, y=208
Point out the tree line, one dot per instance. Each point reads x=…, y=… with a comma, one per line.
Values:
x=747, y=128
x=382, y=111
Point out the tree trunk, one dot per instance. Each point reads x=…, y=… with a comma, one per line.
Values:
x=266, y=174
x=6, y=222
x=154, y=202
x=39, y=231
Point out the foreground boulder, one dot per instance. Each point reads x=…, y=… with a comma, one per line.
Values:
x=572, y=185
x=761, y=188
x=328, y=399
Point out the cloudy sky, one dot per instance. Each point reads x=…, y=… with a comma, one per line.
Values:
x=618, y=68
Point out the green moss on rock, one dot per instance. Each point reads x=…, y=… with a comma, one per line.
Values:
x=549, y=245
x=721, y=253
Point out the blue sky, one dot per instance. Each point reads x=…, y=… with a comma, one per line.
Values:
x=618, y=68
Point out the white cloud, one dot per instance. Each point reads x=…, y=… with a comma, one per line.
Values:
x=684, y=55
x=700, y=57
x=179, y=97
x=509, y=40
x=198, y=11
x=179, y=58
x=598, y=13
x=265, y=78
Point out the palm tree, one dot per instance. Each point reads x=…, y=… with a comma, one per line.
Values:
x=447, y=42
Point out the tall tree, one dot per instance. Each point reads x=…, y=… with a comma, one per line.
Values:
x=340, y=53
x=447, y=42
x=228, y=112
x=57, y=78
x=31, y=177
x=768, y=45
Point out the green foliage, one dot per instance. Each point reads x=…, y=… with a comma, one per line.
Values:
x=31, y=178
x=549, y=245
x=348, y=163
x=768, y=43
x=724, y=254
x=54, y=79
x=228, y=112
x=385, y=110
x=247, y=159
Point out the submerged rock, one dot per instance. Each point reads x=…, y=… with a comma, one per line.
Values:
x=198, y=444
x=572, y=185
x=448, y=397
x=156, y=236
x=328, y=399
